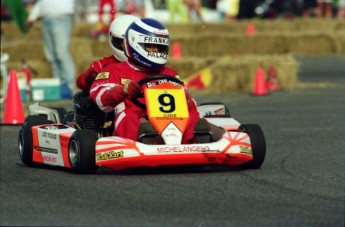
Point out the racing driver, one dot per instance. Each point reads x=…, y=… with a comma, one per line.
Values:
x=118, y=82
x=86, y=112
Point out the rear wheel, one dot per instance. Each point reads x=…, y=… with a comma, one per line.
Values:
x=25, y=138
x=258, y=142
x=81, y=151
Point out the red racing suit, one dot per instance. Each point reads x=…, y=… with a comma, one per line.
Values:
x=84, y=81
x=107, y=91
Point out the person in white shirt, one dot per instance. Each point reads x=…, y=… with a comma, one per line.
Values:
x=57, y=20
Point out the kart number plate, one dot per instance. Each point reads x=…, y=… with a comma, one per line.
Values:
x=166, y=104
x=169, y=103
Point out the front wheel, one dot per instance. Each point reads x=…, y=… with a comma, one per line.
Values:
x=258, y=142
x=81, y=150
x=25, y=146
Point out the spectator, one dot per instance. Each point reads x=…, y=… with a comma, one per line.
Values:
x=324, y=9
x=106, y=13
x=228, y=8
x=309, y=7
x=194, y=9
x=57, y=21
x=133, y=7
x=247, y=9
x=341, y=9
x=177, y=7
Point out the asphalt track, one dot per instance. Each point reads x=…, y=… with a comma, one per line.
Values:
x=301, y=182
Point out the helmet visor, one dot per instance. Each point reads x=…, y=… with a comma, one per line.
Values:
x=117, y=42
x=152, y=47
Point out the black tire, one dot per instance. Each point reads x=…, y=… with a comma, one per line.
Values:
x=81, y=151
x=25, y=138
x=258, y=142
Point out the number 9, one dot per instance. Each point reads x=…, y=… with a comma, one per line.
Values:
x=167, y=100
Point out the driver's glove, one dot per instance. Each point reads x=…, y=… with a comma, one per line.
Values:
x=132, y=88
x=90, y=77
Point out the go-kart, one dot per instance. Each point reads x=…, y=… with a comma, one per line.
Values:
x=44, y=138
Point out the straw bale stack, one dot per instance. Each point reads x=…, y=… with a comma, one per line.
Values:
x=239, y=44
x=11, y=32
x=206, y=45
x=225, y=48
x=238, y=74
x=340, y=37
x=317, y=25
x=99, y=48
x=189, y=65
x=261, y=26
x=22, y=49
x=311, y=43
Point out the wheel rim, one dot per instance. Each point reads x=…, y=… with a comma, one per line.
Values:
x=73, y=152
x=21, y=144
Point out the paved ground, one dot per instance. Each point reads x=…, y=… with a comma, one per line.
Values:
x=301, y=182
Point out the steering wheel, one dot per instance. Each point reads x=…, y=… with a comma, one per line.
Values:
x=153, y=78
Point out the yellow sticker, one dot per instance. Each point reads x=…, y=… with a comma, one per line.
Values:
x=104, y=75
x=167, y=103
x=124, y=81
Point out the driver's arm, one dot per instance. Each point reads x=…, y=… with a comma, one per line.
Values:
x=107, y=92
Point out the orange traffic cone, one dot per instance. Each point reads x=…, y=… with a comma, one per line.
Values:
x=260, y=83
x=250, y=29
x=14, y=109
x=272, y=82
x=176, y=51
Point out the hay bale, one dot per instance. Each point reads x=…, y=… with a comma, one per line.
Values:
x=81, y=29
x=189, y=45
x=340, y=42
x=220, y=45
x=81, y=48
x=238, y=74
x=316, y=25
x=268, y=43
x=178, y=29
x=225, y=75
x=261, y=26
x=311, y=43
x=83, y=64
x=22, y=49
x=224, y=44
x=188, y=66
x=340, y=26
x=278, y=26
x=10, y=31
x=100, y=48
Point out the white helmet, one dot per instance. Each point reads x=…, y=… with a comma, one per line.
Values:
x=143, y=35
x=117, y=32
